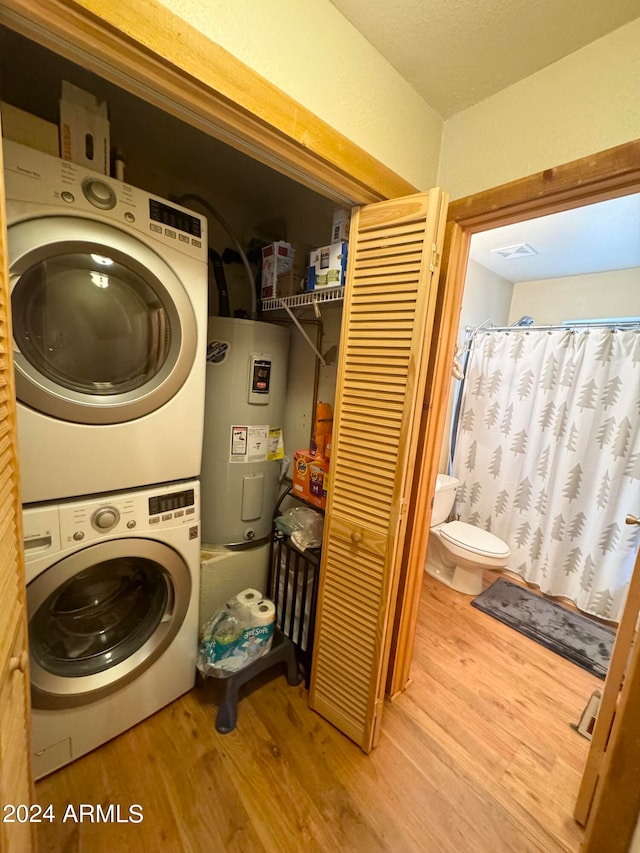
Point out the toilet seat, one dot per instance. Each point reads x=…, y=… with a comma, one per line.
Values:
x=473, y=540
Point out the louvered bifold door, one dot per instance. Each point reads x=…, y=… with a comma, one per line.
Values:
x=394, y=249
x=15, y=775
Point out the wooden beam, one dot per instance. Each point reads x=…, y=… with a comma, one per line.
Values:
x=606, y=174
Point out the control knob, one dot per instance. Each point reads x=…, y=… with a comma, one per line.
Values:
x=105, y=518
x=99, y=193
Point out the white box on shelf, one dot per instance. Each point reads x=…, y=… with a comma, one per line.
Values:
x=277, y=259
x=84, y=129
x=340, y=225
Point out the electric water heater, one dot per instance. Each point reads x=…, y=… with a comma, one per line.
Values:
x=246, y=378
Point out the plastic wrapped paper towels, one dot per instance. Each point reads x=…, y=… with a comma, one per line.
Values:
x=239, y=634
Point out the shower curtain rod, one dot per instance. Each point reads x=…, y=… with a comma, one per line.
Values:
x=622, y=324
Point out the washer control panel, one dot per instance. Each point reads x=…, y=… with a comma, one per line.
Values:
x=99, y=193
x=105, y=518
x=33, y=176
x=80, y=522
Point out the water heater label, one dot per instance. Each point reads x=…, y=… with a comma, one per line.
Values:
x=259, y=379
x=217, y=351
x=276, y=444
x=249, y=443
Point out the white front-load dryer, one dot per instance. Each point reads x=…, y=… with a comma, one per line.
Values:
x=109, y=313
x=112, y=596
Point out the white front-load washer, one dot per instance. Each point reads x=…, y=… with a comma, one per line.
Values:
x=109, y=313
x=113, y=597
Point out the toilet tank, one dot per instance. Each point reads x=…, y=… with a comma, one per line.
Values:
x=444, y=497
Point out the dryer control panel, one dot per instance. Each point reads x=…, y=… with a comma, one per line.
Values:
x=34, y=177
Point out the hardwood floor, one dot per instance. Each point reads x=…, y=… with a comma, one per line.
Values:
x=477, y=755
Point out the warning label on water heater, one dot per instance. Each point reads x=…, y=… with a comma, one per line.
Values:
x=249, y=443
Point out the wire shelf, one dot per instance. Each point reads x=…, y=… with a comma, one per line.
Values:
x=325, y=294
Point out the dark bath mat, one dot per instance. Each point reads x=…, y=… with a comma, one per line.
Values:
x=571, y=635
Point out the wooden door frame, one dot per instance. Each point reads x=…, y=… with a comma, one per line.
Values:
x=605, y=175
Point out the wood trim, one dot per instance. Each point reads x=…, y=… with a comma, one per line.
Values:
x=606, y=174
x=12, y=536
x=434, y=411
x=616, y=806
x=610, y=694
x=157, y=56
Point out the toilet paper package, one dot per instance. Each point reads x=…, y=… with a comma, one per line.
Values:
x=239, y=634
x=241, y=603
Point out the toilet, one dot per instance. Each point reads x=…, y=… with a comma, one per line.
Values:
x=458, y=552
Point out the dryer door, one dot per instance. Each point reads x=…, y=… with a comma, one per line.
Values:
x=104, y=332
x=101, y=616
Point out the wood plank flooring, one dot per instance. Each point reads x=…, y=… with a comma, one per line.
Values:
x=477, y=755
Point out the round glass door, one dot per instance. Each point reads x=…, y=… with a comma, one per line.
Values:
x=104, y=331
x=100, y=617
x=90, y=324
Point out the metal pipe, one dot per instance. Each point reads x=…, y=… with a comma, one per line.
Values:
x=295, y=320
x=570, y=327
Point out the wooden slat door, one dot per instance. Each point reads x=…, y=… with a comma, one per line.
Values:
x=394, y=251
x=15, y=777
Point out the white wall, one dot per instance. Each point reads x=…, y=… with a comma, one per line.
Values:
x=579, y=297
x=635, y=841
x=310, y=51
x=300, y=403
x=487, y=296
x=582, y=104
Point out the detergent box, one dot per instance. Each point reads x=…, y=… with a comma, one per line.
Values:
x=328, y=266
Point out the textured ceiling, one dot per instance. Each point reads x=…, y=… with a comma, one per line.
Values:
x=456, y=53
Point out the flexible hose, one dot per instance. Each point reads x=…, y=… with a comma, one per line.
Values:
x=224, y=309
x=211, y=209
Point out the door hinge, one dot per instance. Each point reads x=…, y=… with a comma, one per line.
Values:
x=435, y=258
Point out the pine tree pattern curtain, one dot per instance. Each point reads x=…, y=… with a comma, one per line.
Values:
x=548, y=456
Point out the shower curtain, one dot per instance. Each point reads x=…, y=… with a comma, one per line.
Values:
x=548, y=456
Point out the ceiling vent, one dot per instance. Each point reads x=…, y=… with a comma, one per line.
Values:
x=510, y=253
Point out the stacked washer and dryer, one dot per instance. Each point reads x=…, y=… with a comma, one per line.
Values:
x=109, y=308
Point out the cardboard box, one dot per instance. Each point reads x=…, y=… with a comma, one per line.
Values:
x=310, y=478
x=328, y=266
x=30, y=130
x=340, y=225
x=277, y=268
x=84, y=129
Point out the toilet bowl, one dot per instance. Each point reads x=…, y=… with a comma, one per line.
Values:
x=458, y=552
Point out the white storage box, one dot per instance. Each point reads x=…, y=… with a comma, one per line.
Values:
x=277, y=262
x=340, y=225
x=84, y=129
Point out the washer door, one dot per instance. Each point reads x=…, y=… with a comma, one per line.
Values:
x=104, y=332
x=101, y=616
